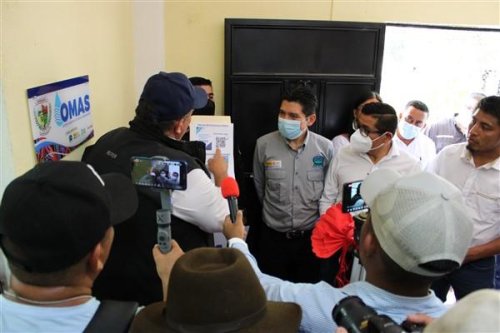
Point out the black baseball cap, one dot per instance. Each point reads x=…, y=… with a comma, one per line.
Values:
x=171, y=95
x=54, y=214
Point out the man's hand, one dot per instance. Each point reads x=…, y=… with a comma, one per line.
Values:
x=165, y=262
x=234, y=230
x=419, y=319
x=218, y=166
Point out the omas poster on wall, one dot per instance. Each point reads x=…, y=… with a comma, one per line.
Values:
x=60, y=116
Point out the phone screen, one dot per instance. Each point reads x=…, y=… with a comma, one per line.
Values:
x=159, y=173
x=351, y=197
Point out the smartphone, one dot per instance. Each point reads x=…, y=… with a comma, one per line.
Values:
x=351, y=197
x=159, y=173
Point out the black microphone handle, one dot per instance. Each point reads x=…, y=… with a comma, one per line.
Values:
x=233, y=208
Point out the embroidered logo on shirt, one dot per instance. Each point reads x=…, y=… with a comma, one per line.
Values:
x=318, y=160
x=272, y=164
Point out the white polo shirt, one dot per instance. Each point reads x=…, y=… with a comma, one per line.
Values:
x=422, y=148
x=480, y=188
x=348, y=166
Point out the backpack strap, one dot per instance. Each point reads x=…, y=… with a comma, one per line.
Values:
x=112, y=316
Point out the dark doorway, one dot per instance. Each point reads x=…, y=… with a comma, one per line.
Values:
x=265, y=57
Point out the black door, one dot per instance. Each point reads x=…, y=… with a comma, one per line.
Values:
x=265, y=57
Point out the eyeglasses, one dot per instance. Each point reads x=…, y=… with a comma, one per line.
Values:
x=363, y=130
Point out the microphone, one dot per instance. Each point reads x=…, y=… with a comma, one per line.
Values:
x=231, y=192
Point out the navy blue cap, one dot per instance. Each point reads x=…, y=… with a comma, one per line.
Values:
x=172, y=96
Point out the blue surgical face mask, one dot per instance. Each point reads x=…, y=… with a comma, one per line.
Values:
x=407, y=130
x=289, y=129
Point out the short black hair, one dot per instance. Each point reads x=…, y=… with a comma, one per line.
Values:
x=417, y=105
x=366, y=95
x=200, y=81
x=303, y=96
x=491, y=106
x=387, y=120
x=145, y=113
x=64, y=276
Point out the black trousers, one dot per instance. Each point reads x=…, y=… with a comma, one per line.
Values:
x=469, y=277
x=288, y=256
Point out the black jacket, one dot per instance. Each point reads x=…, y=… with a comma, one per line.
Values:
x=130, y=272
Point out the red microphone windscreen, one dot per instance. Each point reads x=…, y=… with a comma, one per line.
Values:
x=230, y=188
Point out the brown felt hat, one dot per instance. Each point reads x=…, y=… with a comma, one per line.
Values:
x=216, y=290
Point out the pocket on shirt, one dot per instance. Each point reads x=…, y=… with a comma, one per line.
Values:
x=489, y=206
x=316, y=179
x=275, y=187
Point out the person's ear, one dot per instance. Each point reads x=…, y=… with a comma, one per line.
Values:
x=311, y=119
x=96, y=259
x=99, y=254
x=400, y=115
x=369, y=242
x=179, y=127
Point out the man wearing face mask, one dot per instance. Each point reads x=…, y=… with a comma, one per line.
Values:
x=371, y=148
x=408, y=135
x=209, y=108
x=206, y=85
x=289, y=167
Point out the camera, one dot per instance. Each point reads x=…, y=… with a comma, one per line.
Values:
x=357, y=317
x=159, y=173
x=351, y=197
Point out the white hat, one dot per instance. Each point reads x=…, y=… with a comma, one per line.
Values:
x=476, y=312
x=418, y=219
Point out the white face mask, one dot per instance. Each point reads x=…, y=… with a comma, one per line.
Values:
x=362, y=144
x=407, y=130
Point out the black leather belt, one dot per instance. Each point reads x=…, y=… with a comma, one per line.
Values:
x=294, y=234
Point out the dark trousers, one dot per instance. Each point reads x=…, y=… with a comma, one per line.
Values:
x=329, y=268
x=288, y=256
x=497, y=271
x=469, y=277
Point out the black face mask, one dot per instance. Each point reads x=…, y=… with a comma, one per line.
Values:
x=207, y=110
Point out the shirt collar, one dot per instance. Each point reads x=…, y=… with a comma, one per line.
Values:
x=467, y=157
x=306, y=140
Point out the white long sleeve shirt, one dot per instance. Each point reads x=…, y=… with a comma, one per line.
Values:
x=348, y=166
x=480, y=188
x=422, y=148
